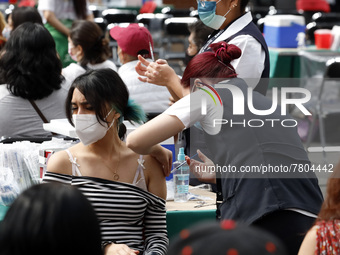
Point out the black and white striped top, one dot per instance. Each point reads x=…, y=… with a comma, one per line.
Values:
x=127, y=214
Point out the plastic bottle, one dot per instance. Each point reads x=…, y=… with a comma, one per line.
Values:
x=301, y=38
x=181, y=178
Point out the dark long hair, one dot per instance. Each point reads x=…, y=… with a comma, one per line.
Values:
x=103, y=87
x=90, y=37
x=29, y=63
x=80, y=8
x=53, y=219
x=330, y=209
x=212, y=64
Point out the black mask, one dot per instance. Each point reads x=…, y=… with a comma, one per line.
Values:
x=188, y=58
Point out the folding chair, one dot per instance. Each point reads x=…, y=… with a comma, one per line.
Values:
x=323, y=109
x=119, y=16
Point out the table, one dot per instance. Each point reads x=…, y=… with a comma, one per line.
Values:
x=183, y=215
x=290, y=62
x=284, y=63
x=291, y=67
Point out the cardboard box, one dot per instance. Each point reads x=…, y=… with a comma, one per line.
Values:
x=280, y=31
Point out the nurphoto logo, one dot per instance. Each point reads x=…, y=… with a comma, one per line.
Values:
x=240, y=101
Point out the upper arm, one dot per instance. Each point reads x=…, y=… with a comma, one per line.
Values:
x=308, y=245
x=59, y=163
x=155, y=176
x=48, y=15
x=153, y=132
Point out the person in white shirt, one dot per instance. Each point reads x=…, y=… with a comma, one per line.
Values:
x=233, y=25
x=285, y=205
x=88, y=47
x=133, y=41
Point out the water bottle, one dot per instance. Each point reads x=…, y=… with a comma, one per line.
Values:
x=301, y=38
x=181, y=177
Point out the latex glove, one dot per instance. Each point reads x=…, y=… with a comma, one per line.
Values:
x=204, y=171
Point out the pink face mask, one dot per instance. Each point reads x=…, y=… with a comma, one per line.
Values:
x=74, y=57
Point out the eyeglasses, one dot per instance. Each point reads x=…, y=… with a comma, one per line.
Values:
x=201, y=2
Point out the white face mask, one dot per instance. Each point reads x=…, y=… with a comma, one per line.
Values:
x=88, y=129
x=6, y=32
x=73, y=56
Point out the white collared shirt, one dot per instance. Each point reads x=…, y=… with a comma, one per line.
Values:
x=73, y=70
x=251, y=62
x=152, y=98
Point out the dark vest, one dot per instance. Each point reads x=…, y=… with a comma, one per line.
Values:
x=252, y=30
x=243, y=197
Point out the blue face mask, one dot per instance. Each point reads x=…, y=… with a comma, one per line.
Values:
x=207, y=14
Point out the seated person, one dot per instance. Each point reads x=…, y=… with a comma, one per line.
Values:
x=50, y=219
x=23, y=14
x=324, y=236
x=58, y=16
x=133, y=41
x=199, y=34
x=87, y=46
x=126, y=189
x=30, y=72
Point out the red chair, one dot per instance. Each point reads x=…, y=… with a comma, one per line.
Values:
x=309, y=7
x=313, y=5
x=30, y=3
x=148, y=7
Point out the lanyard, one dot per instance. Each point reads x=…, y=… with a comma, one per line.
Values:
x=210, y=40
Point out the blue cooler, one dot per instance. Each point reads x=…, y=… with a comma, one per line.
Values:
x=280, y=31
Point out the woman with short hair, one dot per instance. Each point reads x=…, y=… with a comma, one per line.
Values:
x=30, y=74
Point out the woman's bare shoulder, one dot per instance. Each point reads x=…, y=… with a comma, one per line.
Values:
x=155, y=176
x=60, y=163
x=309, y=242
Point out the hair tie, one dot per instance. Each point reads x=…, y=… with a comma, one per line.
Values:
x=217, y=53
x=99, y=40
x=226, y=65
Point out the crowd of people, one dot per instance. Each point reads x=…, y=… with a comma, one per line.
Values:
x=107, y=193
